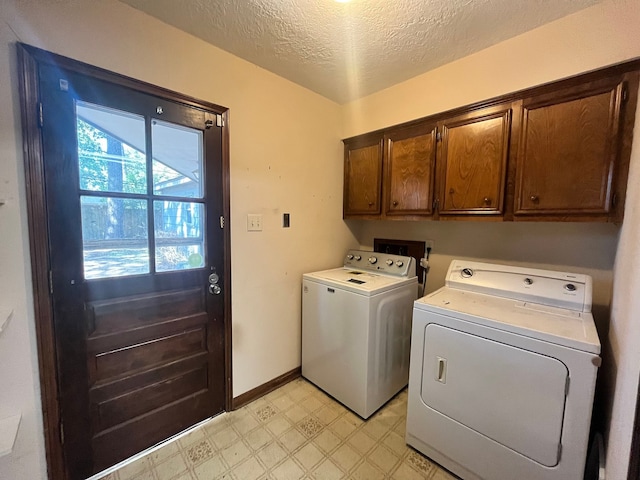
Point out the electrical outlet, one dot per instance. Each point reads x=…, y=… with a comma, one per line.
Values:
x=254, y=222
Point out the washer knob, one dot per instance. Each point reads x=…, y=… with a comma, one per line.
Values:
x=372, y=260
x=528, y=281
x=358, y=258
x=349, y=257
x=466, y=273
x=399, y=263
x=389, y=262
x=570, y=286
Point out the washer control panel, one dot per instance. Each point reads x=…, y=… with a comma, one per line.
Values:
x=386, y=263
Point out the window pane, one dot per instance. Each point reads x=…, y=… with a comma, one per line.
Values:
x=114, y=237
x=179, y=235
x=111, y=150
x=177, y=160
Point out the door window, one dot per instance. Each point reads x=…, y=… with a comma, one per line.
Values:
x=115, y=161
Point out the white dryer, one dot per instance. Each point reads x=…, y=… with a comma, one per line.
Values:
x=503, y=371
x=356, y=328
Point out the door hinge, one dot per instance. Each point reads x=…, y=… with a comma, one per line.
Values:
x=625, y=93
x=40, y=115
x=209, y=122
x=221, y=221
x=51, y=282
x=559, y=451
x=61, y=432
x=566, y=386
x=438, y=135
x=436, y=201
x=614, y=200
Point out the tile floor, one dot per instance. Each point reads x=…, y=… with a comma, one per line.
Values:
x=294, y=432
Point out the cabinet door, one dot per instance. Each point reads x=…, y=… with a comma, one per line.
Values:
x=473, y=162
x=409, y=170
x=363, y=176
x=568, y=149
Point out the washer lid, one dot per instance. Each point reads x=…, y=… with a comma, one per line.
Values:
x=358, y=281
x=560, y=326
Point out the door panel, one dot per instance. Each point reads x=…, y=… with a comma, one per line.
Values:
x=145, y=430
x=568, y=149
x=513, y=396
x=146, y=355
x=116, y=410
x=409, y=170
x=363, y=177
x=473, y=162
x=134, y=193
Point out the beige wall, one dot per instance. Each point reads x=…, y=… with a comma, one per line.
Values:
x=286, y=156
x=595, y=37
x=587, y=40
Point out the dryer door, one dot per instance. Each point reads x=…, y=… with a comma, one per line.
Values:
x=513, y=396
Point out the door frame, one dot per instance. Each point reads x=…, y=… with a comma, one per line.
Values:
x=29, y=60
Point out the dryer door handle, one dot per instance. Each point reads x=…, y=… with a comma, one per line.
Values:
x=441, y=370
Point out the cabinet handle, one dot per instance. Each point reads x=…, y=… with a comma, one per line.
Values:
x=395, y=204
x=371, y=204
x=452, y=191
x=534, y=198
x=487, y=201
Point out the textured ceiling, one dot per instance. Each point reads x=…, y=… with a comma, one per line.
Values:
x=344, y=51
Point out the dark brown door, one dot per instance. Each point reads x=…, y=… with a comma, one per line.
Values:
x=409, y=170
x=134, y=196
x=473, y=162
x=568, y=149
x=363, y=176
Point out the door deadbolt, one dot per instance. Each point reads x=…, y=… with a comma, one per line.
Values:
x=214, y=278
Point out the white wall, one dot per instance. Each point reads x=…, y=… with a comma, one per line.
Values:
x=19, y=381
x=592, y=38
x=624, y=334
x=286, y=156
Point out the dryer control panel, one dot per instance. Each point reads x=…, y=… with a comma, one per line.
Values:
x=386, y=263
x=571, y=291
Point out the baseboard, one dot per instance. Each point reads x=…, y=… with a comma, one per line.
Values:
x=271, y=385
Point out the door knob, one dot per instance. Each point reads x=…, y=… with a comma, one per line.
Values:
x=214, y=289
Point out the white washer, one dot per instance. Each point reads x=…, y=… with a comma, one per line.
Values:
x=503, y=371
x=356, y=328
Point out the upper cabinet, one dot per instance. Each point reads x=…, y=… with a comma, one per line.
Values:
x=363, y=176
x=568, y=150
x=556, y=152
x=409, y=167
x=472, y=159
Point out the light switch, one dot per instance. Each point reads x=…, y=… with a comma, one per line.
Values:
x=254, y=222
